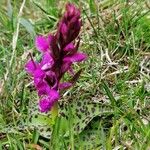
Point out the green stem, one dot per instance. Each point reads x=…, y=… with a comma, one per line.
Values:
x=54, y=112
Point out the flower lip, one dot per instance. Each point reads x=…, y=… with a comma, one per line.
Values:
x=46, y=102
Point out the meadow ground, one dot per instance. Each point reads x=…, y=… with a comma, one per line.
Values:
x=108, y=107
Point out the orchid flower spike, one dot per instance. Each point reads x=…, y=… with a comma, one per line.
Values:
x=59, y=53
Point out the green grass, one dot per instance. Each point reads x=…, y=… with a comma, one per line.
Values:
x=116, y=76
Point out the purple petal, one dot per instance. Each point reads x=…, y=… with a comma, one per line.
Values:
x=43, y=81
x=50, y=38
x=38, y=73
x=66, y=66
x=47, y=61
x=31, y=66
x=74, y=22
x=54, y=96
x=75, y=29
x=78, y=57
x=71, y=10
x=45, y=104
x=69, y=47
x=39, y=82
x=41, y=86
x=42, y=90
x=65, y=85
x=42, y=43
x=64, y=29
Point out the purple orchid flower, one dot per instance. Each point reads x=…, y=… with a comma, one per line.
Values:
x=59, y=52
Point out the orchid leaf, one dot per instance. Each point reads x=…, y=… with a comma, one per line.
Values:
x=83, y=112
